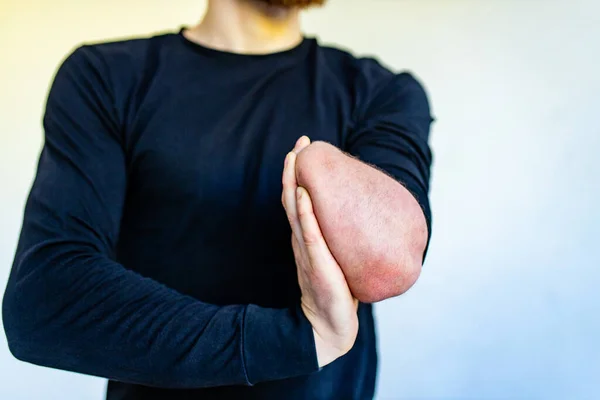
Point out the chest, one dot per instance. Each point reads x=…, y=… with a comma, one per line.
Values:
x=211, y=142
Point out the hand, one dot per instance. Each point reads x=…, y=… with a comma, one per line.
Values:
x=326, y=299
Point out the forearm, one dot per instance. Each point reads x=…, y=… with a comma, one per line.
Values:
x=70, y=305
x=69, y=308
x=371, y=222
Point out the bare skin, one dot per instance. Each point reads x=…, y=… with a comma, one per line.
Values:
x=326, y=298
x=247, y=27
x=373, y=226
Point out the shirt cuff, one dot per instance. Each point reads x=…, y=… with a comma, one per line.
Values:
x=277, y=344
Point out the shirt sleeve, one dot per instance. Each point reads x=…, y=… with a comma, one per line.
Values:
x=391, y=132
x=68, y=303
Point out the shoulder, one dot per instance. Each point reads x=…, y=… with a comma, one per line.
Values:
x=374, y=84
x=116, y=64
x=126, y=56
x=124, y=52
x=112, y=72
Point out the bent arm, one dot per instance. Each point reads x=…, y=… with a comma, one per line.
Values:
x=69, y=305
x=372, y=202
x=373, y=225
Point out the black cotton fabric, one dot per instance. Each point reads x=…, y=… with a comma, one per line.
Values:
x=155, y=251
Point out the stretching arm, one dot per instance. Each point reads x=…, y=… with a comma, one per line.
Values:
x=372, y=201
x=68, y=303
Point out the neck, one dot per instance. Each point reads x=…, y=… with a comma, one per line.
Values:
x=247, y=27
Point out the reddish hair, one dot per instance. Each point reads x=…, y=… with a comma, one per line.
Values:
x=295, y=3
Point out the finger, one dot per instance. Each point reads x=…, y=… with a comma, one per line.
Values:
x=315, y=249
x=288, y=181
x=298, y=247
x=285, y=179
x=289, y=194
x=315, y=244
x=301, y=143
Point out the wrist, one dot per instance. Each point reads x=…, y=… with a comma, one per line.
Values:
x=330, y=348
x=326, y=353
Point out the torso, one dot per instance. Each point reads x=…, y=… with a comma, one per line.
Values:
x=206, y=135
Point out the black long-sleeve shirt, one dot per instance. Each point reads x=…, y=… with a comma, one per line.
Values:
x=154, y=249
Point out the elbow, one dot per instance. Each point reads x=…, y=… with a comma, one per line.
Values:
x=407, y=277
x=25, y=316
x=16, y=333
x=28, y=339
x=386, y=281
x=393, y=267
x=27, y=345
x=18, y=349
x=400, y=266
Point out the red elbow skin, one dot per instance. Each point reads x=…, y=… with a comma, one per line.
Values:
x=370, y=222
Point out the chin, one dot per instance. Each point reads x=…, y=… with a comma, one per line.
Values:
x=293, y=3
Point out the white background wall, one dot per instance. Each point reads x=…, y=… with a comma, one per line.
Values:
x=508, y=304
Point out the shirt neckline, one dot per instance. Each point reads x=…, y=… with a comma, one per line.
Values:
x=296, y=52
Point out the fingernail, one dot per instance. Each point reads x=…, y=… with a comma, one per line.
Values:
x=299, y=192
x=287, y=157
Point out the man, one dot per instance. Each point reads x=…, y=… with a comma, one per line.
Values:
x=154, y=250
